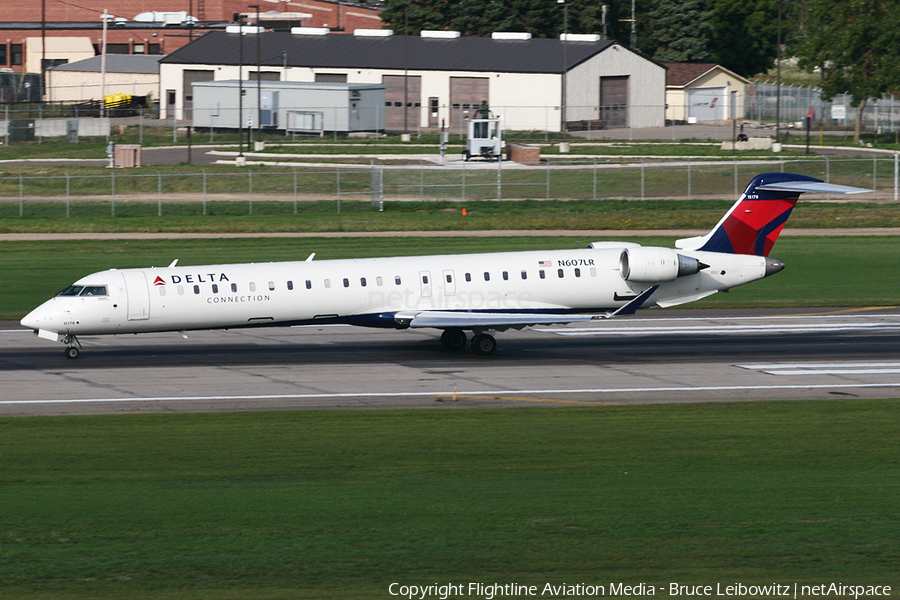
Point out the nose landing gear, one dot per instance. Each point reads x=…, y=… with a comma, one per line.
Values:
x=73, y=346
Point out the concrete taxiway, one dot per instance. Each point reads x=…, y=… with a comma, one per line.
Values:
x=657, y=356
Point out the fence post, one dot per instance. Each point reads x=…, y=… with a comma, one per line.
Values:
x=112, y=189
x=141, y=126
x=294, y=169
x=158, y=194
x=874, y=172
x=337, y=174
x=499, y=179
x=250, y=191
x=204, y=193
x=827, y=170
x=21, y=196
x=421, y=180
x=67, y=195
x=464, y=182
x=689, y=178
x=642, y=178
x=735, y=179
x=548, y=180
x=896, y=173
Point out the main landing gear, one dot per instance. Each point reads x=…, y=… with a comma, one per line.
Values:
x=73, y=346
x=455, y=339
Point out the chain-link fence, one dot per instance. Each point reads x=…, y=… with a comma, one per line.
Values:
x=343, y=188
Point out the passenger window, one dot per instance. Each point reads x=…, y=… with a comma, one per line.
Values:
x=379, y=281
x=196, y=289
x=397, y=280
x=505, y=276
x=346, y=282
x=233, y=288
x=425, y=279
x=252, y=287
x=162, y=290
x=487, y=276
x=559, y=272
x=215, y=288
x=327, y=283
x=593, y=272
x=290, y=285
x=362, y=281
x=577, y=272
x=308, y=284
x=271, y=286
x=181, y=290
x=449, y=278
x=542, y=274
x=524, y=274
x=468, y=277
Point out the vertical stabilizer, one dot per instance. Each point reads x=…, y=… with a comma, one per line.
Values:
x=753, y=223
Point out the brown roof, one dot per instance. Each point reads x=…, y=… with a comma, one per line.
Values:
x=681, y=74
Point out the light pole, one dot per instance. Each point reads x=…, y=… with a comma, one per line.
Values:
x=240, y=85
x=778, y=79
x=258, y=79
x=565, y=64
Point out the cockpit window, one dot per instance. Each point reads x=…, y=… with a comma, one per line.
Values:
x=84, y=290
x=72, y=290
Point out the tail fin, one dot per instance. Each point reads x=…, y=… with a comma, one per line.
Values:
x=753, y=223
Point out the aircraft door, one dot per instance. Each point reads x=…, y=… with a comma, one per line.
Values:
x=425, y=283
x=138, y=293
x=449, y=283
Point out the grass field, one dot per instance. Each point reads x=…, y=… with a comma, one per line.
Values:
x=821, y=271
x=339, y=504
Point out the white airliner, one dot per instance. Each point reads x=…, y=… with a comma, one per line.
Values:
x=456, y=293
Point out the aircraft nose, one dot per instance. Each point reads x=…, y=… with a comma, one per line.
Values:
x=43, y=317
x=32, y=320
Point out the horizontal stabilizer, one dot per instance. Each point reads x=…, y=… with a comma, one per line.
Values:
x=819, y=187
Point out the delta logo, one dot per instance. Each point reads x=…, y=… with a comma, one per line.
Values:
x=198, y=278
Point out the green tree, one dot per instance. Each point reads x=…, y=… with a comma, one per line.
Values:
x=679, y=31
x=744, y=34
x=854, y=43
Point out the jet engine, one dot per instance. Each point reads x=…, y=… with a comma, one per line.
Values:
x=653, y=265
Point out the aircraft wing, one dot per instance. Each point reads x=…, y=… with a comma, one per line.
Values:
x=445, y=319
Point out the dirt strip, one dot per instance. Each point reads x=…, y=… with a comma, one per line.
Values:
x=595, y=233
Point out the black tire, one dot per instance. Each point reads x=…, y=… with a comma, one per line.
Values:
x=454, y=339
x=72, y=352
x=484, y=344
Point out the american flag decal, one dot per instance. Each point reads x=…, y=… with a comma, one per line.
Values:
x=545, y=263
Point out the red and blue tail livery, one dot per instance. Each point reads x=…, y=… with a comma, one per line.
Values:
x=754, y=222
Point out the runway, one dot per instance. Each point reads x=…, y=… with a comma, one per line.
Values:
x=674, y=356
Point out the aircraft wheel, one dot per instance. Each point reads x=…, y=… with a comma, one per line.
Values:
x=72, y=352
x=484, y=344
x=454, y=339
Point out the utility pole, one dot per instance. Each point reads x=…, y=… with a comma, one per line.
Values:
x=565, y=38
x=258, y=79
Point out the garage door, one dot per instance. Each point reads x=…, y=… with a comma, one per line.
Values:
x=466, y=95
x=706, y=104
x=393, y=100
x=614, y=101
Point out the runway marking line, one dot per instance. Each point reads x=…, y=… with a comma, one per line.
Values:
x=454, y=397
x=498, y=393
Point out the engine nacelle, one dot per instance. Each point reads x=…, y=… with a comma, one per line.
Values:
x=655, y=265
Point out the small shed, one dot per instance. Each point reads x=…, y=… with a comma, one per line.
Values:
x=302, y=107
x=698, y=92
x=135, y=74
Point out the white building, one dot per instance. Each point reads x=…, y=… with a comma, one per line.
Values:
x=447, y=76
x=698, y=92
x=134, y=74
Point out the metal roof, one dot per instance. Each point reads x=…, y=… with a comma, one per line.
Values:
x=115, y=63
x=341, y=51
